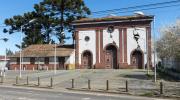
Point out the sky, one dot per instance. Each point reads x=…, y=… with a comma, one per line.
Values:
x=9, y=8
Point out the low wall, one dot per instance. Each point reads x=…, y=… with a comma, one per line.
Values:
x=35, y=67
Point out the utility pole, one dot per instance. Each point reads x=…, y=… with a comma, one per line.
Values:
x=154, y=52
x=147, y=49
x=20, y=67
x=55, y=58
x=22, y=26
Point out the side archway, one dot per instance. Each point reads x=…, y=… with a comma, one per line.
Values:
x=137, y=59
x=87, y=59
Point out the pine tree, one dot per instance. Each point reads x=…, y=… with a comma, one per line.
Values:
x=53, y=17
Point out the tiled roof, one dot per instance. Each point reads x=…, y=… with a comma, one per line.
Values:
x=46, y=50
x=113, y=18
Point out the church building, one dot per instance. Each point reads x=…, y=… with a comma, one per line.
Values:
x=113, y=42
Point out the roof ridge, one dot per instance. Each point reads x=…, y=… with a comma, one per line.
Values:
x=108, y=18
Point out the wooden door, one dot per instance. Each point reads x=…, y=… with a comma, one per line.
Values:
x=137, y=60
x=109, y=59
x=61, y=61
x=87, y=60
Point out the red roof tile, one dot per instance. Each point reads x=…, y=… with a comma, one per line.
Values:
x=45, y=50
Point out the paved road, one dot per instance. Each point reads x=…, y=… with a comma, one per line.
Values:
x=9, y=93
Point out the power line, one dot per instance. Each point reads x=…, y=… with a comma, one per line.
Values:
x=140, y=6
x=116, y=12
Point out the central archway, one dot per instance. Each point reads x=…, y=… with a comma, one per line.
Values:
x=111, y=56
x=87, y=60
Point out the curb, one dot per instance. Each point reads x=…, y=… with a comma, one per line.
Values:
x=33, y=85
x=125, y=93
x=82, y=91
x=105, y=91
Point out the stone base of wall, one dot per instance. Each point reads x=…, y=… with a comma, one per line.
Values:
x=99, y=66
x=120, y=66
x=102, y=66
x=123, y=66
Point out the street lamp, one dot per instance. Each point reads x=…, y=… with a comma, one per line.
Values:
x=22, y=26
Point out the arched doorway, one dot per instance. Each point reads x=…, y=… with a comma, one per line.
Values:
x=111, y=57
x=137, y=59
x=87, y=59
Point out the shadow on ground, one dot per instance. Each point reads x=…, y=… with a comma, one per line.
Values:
x=141, y=77
x=167, y=77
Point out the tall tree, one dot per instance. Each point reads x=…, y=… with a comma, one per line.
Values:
x=63, y=12
x=53, y=17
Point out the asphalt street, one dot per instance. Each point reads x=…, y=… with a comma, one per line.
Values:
x=9, y=93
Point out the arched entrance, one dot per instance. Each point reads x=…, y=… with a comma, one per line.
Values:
x=111, y=57
x=137, y=59
x=87, y=59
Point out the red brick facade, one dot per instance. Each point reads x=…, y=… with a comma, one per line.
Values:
x=77, y=50
x=148, y=31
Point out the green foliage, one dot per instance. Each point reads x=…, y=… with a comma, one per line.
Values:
x=52, y=18
x=63, y=13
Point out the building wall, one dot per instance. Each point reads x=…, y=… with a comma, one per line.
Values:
x=107, y=39
x=90, y=45
x=132, y=44
x=39, y=62
x=26, y=60
x=71, y=59
x=31, y=67
x=123, y=38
